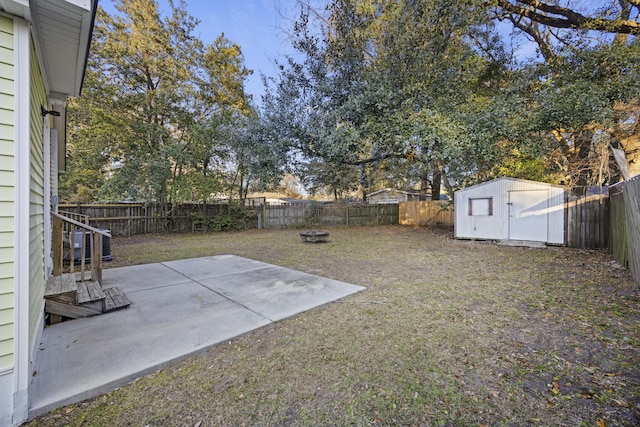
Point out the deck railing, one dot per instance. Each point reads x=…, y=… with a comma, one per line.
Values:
x=64, y=243
x=75, y=216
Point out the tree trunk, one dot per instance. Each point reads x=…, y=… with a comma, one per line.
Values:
x=436, y=186
x=424, y=186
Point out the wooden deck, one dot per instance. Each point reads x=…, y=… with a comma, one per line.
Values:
x=71, y=294
x=66, y=298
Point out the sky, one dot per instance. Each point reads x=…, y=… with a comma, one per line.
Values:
x=257, y=26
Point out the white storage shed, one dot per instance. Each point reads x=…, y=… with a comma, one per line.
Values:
x=511, y=209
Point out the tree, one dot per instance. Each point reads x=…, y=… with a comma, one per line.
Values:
x=377, y=86
x=585, y=99
x=164, y=98
x=258, y=160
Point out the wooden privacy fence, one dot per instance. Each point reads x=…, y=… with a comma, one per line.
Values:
x=316, y=215
x=426, y=213
x=127, y=219
x=631, y=195
x=587, y=221
x=624, y=225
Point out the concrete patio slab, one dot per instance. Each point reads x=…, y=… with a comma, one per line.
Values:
x=178, y=309
x=275, y=293
x=138, y=277
x=215, y=266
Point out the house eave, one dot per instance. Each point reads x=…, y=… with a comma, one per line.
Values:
x=19, y=8
x=63, y=31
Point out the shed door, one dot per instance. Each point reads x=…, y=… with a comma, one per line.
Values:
x=528, y=215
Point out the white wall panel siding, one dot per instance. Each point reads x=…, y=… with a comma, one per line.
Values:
x=496, y=226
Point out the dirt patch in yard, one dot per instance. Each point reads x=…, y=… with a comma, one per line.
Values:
x=447, y=333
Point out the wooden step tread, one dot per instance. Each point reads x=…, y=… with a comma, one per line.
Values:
x=57, y=285
x=115, y=300
x=89, y=291
x=71, y=310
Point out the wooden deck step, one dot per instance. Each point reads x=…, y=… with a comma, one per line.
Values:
x=89, y=291
x=59, y=285
x=115, y=300
x=71, y=310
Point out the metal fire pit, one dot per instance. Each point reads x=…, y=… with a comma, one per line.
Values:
x=314, y=236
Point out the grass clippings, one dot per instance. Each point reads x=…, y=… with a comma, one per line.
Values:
x=448, y=333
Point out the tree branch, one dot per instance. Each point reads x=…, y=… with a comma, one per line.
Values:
x=534, y=32
x=374, y=159
x=562, y=17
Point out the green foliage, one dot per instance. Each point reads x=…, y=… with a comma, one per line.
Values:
x=216, y=223
x=156, y=107
x=525, y=166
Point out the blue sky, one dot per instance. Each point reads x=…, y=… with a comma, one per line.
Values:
x=256, y=25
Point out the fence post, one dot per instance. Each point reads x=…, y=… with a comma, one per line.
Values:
x=265, y=220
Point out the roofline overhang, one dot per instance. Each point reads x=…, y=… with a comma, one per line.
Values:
x=94, y=10
x=19, y=8
x=29, y=11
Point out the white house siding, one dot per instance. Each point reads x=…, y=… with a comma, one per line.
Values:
x=496, y=225
x=6, y=194
x=36, y=201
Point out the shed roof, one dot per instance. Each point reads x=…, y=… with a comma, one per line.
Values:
x=506, y=178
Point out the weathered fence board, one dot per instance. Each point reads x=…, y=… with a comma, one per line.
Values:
x=588, y=221
x=426, y=213
x=618, y=228
x=631, y=193
x=284, y=216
